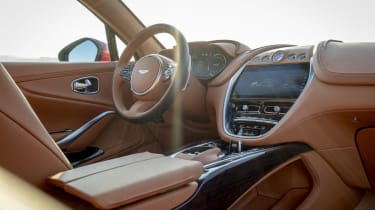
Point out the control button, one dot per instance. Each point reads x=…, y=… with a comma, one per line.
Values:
x=278, y=56
x=291, y=57
x=245, y=107
x=266, y=59
x=272, y=109
x=254, y=132
x=302, y=57
x=256, y=60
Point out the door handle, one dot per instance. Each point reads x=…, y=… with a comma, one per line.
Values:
x=79, y=85
x=86, y=85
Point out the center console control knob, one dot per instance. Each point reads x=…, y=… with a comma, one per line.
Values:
x=245, y=107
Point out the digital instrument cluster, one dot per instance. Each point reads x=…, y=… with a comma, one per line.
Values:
x=207, y=63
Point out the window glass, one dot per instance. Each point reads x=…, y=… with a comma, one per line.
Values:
x=37, y=30
x=259, y=23
x=120, y=45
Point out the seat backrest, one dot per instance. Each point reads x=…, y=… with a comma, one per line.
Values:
x=26, y=148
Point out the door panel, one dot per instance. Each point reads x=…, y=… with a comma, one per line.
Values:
x=47, y=86
x=59, y=115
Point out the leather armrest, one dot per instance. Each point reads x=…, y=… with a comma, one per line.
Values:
x=114, y=183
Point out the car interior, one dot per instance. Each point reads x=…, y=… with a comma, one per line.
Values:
x=202, y=125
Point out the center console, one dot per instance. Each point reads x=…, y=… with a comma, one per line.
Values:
x=141, y=180
x=259, y=96
x=235, y=168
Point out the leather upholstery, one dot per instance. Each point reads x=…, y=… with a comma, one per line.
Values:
x=26, y=148
x=113, y=183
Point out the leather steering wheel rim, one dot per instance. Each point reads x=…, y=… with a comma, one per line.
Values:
x=177, y=83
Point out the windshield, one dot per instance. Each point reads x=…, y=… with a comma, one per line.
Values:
x=259, y=23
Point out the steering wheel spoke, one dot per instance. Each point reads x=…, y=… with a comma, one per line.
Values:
x=141, y=106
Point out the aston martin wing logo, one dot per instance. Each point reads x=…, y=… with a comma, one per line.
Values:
x=143, y=71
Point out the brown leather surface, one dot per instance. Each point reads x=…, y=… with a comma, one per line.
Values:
x=23, y=72
x=60, y=134
x=329, y=191
x=193, y=101
x=308, y=171
x=151, y=81
x=47, y=86
x=104, y=185
x=284, y=188
x=59, y=114
x=177, y=131
x=168, y=200
x=292, y=199
x=323, y=118
x=332, y=135
x=15, y=193
x=121, y=138
x=145, y=73
x=25, y=142
x=65, y=177
x=188, y=118
x=367, y=202
x=347, y=163
x=345, y=63
x=60, y=87
x=366, y=147
x=89, y=136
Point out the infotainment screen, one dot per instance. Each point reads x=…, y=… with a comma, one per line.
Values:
x=271, y=82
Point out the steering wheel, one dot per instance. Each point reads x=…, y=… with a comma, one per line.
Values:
x=155, y=79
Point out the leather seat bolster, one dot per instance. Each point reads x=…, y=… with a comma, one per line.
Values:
x=27, y=143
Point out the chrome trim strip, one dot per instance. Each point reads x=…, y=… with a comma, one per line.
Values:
x=229, y=91
x=254, y=119
x=158, y=76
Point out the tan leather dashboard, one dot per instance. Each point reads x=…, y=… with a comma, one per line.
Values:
x=328, y=113
x=345, y=63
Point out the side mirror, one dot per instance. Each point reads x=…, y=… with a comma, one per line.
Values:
x=85, y=50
